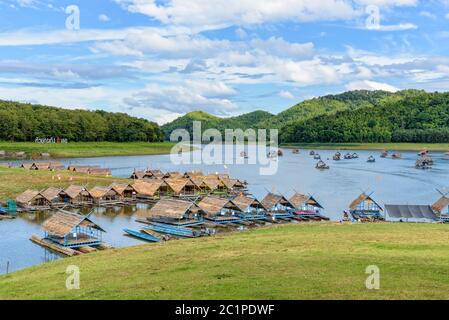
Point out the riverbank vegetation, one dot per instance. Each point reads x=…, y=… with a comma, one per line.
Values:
x=15, y=181
x=296, y=261
x=26, y=122
x=88, y=149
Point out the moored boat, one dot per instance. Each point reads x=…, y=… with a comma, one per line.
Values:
x=371, y=159
x=384, y=154
x=321, y=165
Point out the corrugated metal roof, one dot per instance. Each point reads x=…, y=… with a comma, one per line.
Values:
x=411, y=212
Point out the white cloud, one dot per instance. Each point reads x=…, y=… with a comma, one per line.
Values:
x=222, y=13
x=185, y=97
x=103, y=18
x=370, y=85
x=286, y=95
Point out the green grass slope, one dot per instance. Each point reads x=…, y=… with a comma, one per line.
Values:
x=305, y=261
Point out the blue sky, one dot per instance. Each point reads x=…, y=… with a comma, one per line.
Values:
x=160, y=59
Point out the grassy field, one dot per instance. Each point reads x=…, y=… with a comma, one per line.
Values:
x=14, y=181
x=442, y=147
x=88, y=149
x=296, y=261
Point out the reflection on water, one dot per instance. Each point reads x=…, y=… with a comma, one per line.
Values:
x=393, y=181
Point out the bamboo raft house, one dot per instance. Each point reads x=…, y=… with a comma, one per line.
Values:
x=307, y=207
x=76, y=196
x=182, y=187
x=233, y=186
x=220, y=210
x=53, y=196
x=216, y=185
x=250, y=208
x=100, y=172
x=278, y=207
x=32, y=200
x=153, y=174
x=126, y=191
x=175, y=212
x=365, y=207
x=105, y=196
x=137, y=175
x=147, y=190
x=70, y=234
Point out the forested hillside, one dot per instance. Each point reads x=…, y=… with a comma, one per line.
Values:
x=25, y=122
x=245, y=121
x=407, y=116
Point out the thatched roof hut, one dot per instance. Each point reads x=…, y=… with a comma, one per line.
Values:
x=275, y=202
x=56, y=166
x=175, y=209
x=441, y=206
x=193, y=174
x=153, y=174
x=52, y=194
x=173, y=175
x=365, y=201
x=137, y=175
x=40, y=166
x=182, y=186
x=104, y=194
x=247, y=204
x=215, y=206
x=213, y=183
x=31, y=198
x=63, y=222
x=76, y=194
x=100, y=172
x=26, y=166
x=72, y=230
x=147, y=188
x=300, y=201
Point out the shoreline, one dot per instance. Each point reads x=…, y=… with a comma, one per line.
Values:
x=436, y=147
x=83, y=150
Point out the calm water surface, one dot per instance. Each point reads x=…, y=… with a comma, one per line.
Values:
x=392, y=181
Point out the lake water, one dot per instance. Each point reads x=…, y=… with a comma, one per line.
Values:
x=392, y=181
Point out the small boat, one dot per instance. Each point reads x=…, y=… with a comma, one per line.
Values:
x=142, y=236
x=371, y=159
x=423, y=152
x=355, y=156
x=397, y=155
x=243, y=154
x=312, y=153
x=348, y=156
x=280, y=153
x=337, y=156
x=384, y=154
x=317, y=156
x=295, y=151
x=321, y=165
x=272, y=155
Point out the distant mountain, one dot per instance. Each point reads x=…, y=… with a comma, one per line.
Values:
x=208, y=121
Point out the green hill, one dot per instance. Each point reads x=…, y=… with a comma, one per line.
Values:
x=208, y=121
x=407, y=116
x=26, y=122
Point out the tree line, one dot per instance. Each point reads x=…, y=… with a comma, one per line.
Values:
x=25, y=122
